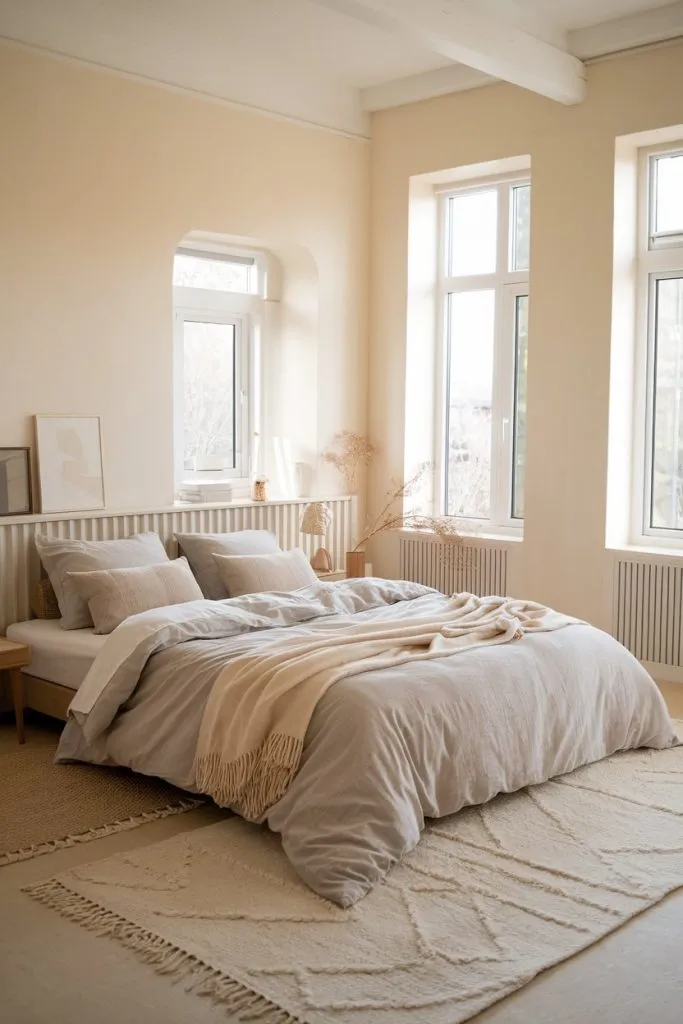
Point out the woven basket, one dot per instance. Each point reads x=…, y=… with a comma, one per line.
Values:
x=44, y=601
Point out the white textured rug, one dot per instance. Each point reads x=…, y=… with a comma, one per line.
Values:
x=489, y=898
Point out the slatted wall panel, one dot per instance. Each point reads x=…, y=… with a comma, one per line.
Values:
x=20, y=566
x=472, y=568
x=648, y=612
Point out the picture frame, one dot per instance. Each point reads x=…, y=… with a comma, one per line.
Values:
x=70, y=470
x=16, y=485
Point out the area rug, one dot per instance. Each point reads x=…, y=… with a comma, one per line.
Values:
x=487, y=900
x=44, y=806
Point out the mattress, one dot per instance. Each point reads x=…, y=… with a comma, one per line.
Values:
x=59, y=655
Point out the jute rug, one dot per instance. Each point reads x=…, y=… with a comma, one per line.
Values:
x=44, y=806
x=490, y=897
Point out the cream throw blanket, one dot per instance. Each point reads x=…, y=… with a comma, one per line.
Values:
x=252, y=733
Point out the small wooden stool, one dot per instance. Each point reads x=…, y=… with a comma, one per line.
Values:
x=14, y=657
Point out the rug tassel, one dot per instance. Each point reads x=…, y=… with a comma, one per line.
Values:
x=243, y=1002
x=98, y=832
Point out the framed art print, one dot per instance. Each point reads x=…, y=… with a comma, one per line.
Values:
x=15, y=482
x=70, y=463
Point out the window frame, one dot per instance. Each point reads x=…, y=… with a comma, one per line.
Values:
x=508, y=285
x=659, y=239
x=659, y=257
x=225, y=257
x=241, y=397
x=244, y=311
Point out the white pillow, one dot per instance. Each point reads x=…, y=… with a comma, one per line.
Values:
x=61, y=557
x=115, y=594
x=252, y=574
x=199, y=548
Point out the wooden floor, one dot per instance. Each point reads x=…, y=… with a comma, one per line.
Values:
x=673, y=695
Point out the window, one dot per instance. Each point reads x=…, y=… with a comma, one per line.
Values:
x=659, y=510
x=216, y=317
x=210, y=394
x=214, y=272
x=484, y=289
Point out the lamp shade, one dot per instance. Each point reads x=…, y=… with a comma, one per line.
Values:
x=316, y=519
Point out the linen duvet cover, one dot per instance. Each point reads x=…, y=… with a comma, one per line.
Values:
x=385, y=748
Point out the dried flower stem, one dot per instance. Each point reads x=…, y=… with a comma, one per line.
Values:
x=356, y=451
x=389, y=519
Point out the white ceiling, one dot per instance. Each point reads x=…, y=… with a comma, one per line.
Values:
x=330, y=61
x=573, y=14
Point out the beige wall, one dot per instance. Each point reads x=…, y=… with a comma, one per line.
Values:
x=100, y=178
x=562, y=560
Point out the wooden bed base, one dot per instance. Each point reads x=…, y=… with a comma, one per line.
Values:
x=48, y=698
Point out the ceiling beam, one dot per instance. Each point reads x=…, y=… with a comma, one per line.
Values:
x=413, y=88
x=629, y=32
x=462, y=33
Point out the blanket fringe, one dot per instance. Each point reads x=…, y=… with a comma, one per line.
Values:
x=254, y=781
x=98, y=832
x=245, y=1004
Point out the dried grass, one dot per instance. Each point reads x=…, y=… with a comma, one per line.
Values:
x=354, y=452
x=395, y=516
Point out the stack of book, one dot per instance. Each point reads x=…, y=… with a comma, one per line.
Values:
x=197, y=493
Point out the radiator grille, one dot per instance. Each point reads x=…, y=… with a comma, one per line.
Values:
x=20, y=565
x=647, y=616
x=472, y=568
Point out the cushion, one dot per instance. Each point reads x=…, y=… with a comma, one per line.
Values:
x=251, y=574
x=60, y=557
x=115, y=594
x=199, y=548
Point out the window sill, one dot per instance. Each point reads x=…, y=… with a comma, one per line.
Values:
x=468, y=534
x=507, y=538
x=249, y=502
x=652, y=550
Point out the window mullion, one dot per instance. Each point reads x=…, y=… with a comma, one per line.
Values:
x=440, y=421
x=499, y=407
x=443, y=400
x=497, y=420
x=504, y=387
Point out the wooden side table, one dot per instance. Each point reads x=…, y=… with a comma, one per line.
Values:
x=333, y=576
x=14, y=657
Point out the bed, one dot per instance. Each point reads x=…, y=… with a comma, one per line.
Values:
x=60, y=661
x=386, y=747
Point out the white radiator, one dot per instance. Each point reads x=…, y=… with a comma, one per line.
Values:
x=647, y=612
x=20, y=565
x=475, y=568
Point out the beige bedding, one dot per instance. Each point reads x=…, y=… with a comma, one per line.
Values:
x=254, y=724
x=384, y=749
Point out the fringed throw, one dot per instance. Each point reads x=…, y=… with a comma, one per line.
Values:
x=255, y=780
x=252, y=733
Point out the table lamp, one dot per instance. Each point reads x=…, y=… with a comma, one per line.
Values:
x=315, y=522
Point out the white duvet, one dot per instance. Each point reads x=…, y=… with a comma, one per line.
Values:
x=384, y=749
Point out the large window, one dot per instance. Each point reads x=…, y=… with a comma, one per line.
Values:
x=485, y=301
x=214, y=338
x=659, y=487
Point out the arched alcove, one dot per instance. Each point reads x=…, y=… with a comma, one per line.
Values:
x=284, y=357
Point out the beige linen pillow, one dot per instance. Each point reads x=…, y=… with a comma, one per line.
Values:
x=114, y=595
x=199, y=549
x=62, y=557
x=251, y=574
